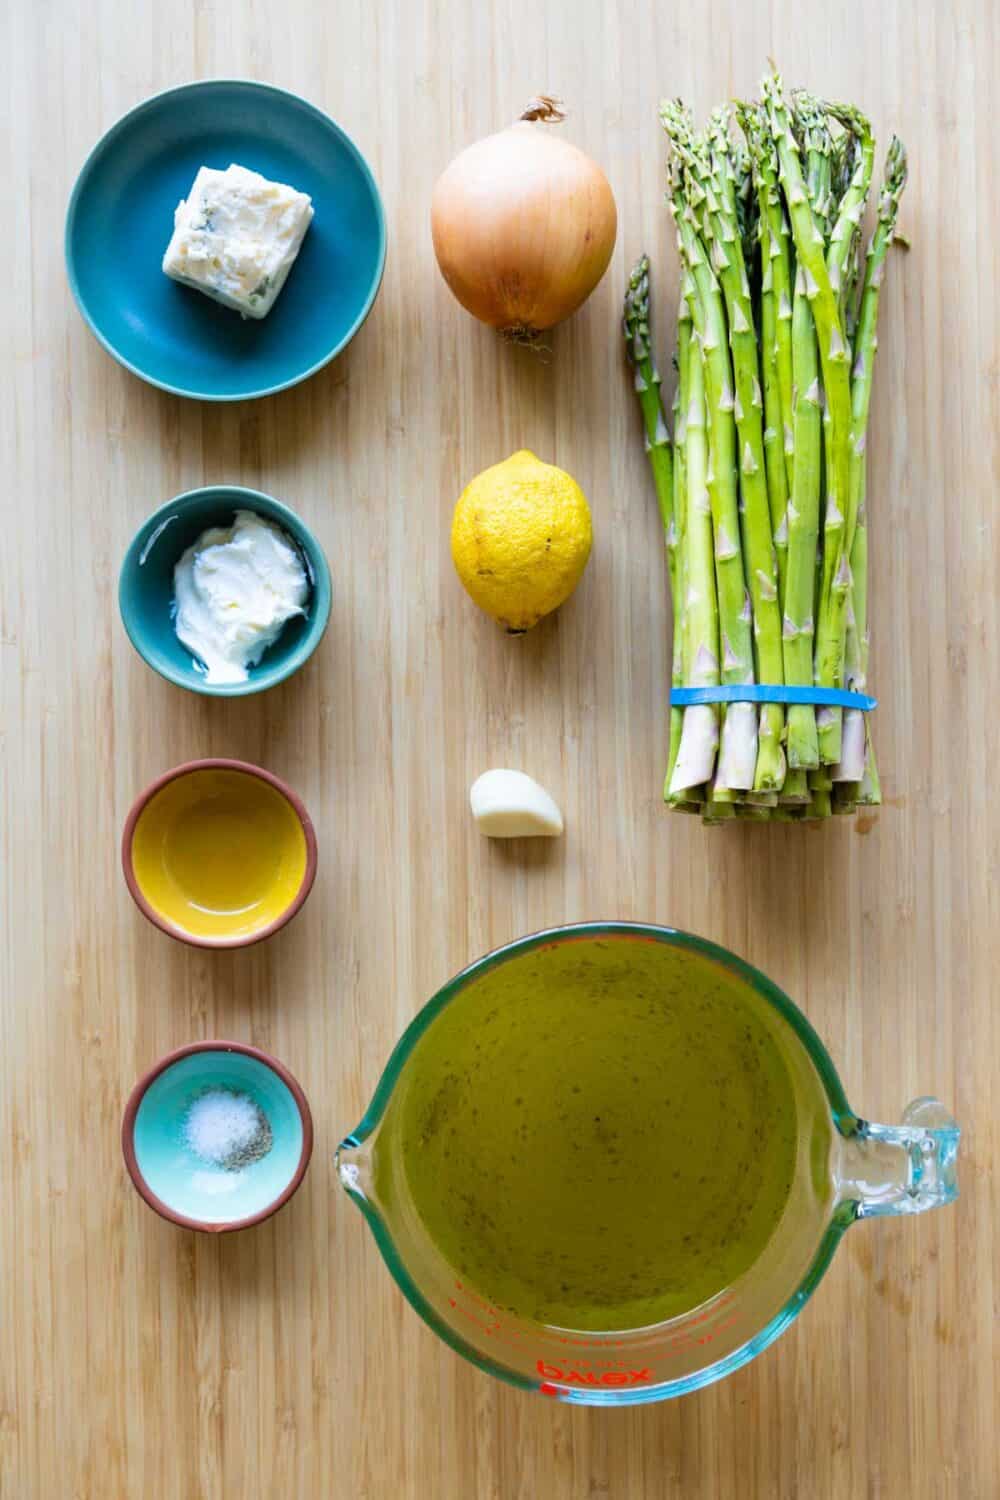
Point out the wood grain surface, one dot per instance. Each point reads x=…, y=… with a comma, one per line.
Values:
x=139, y=1360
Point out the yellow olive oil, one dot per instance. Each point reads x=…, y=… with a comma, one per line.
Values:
x=219, y=853
x=599, y=1134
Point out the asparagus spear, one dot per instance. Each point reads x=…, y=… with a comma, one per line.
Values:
x=722, y=229
x=738, y=752
x=695, y=763
x=833, y=353
x=812, y=431
x=867, y=341
x=813, y=134
x=681, y=400
x=646, y=379
x=765, y=163
x=776, y=363
x=803, y=529
x=860, y=751
x=851, y=766
x=855, y=744
x=647, y=385
x=774, y=455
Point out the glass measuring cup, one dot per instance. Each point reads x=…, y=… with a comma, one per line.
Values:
x=846, y=1168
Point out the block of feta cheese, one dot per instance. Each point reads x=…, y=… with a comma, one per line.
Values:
x=236, y=236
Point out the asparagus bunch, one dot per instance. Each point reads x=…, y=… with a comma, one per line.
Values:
x=762, y=489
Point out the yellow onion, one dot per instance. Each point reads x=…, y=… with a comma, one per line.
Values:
x=524, y=225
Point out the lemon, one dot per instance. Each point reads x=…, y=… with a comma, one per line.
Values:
x=520, y=539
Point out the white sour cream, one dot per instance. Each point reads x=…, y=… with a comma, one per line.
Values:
x=234, y=591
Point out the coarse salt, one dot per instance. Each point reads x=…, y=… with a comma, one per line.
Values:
x=227, y=1128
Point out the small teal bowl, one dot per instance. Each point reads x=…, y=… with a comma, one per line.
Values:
x=121, y=216
x=146, y=589
x=180, y=1185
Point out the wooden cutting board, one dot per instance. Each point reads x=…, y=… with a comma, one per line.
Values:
x=136, y=1359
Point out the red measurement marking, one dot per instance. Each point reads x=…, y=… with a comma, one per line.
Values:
x=588, y=1377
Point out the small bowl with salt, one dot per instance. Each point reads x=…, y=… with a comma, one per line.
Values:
x=217, y=1136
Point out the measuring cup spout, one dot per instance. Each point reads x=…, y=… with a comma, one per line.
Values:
x=353, y=1162
x=900, y=1169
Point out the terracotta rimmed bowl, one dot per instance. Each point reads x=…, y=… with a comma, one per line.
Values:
x=219, y=853
x=181, y=1186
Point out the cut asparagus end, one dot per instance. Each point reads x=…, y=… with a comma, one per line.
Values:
x=696, y=753
x=796, y=788
x=720, y=793
x=819, y=804
x=845, y=798
x=851, y=766
x=738, y=748
x=718, y=812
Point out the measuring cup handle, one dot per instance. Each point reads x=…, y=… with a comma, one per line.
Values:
x=900, y=1169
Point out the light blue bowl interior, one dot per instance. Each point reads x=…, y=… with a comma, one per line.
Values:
x=121, y=218
x=146, y=588
x=198, y=1189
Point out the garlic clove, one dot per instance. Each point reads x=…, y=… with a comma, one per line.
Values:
x=510, y=805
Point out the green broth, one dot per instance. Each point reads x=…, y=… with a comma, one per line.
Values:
x=598, y=1135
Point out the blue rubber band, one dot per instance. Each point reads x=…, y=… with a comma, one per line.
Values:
x=762, y=692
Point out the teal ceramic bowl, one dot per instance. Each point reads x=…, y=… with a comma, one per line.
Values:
x=146, y=588
x=121, y=216
x=186, y=1188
